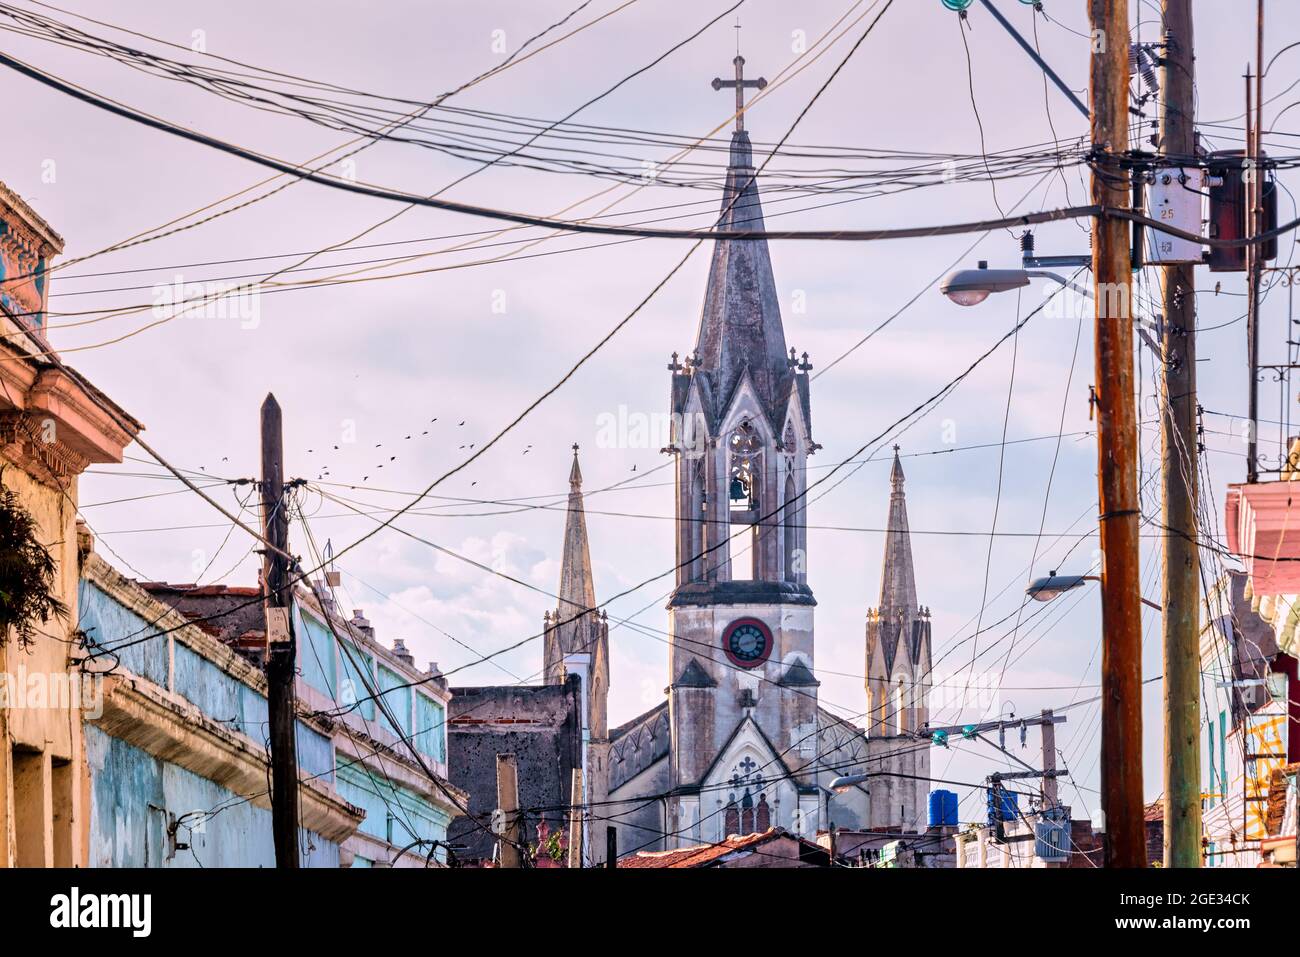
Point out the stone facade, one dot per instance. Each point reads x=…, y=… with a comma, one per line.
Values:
x=741, y=744
x=541, y=725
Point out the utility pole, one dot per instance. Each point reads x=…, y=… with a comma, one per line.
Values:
x=1121, y=677
x=1252, y=297
x=1254, y=185
x=611, y=847
x=508, y=834
x=1180, y=620
x=1051, y=794
x=281, y=649
x=575, y=820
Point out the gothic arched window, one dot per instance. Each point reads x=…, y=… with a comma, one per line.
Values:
x=746, y=446
x=731, y=819
x=762, y=814
x=747, y=814
x=791, y=531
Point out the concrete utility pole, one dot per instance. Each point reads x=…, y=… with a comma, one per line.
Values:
x=1051, y=794
x=1121, y=606
x=509, y=837
x=281, y=649
x=1181, y=603
x=575, y=820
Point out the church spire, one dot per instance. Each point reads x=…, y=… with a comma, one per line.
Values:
x=898, y=632
x=740, y=325
x=897, y=579
x=577, y=634
x=577, y=589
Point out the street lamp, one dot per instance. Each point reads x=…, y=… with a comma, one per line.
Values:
x=847, y=781
x=1054, y=585
x=970, y=287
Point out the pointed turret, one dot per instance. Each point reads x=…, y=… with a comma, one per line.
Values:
x=898, y=631
x=897, y=579
x=577, y=590
x=576, y=633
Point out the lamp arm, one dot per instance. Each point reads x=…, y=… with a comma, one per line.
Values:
x=1149, y=604
x=1057, y=278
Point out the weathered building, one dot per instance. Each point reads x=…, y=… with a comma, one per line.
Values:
x=176, y=742
x=933, y=849
x=390, y=760
x=542, y=726
x=53, y=424
x=1251, y=717
x=770, y=848
x=741, y=744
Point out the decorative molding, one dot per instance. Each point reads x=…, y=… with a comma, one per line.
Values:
x=28, y=445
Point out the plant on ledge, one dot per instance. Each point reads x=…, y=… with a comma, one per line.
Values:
x=27, y=573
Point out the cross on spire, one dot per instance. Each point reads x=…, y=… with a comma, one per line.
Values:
x=739, y=84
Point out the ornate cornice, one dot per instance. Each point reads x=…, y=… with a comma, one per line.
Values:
x=30, y=443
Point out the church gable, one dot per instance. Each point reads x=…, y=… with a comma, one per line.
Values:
x=748, y=788
x=747, y=739
x=746, y=405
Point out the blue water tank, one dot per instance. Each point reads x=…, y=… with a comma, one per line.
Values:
x=1006, y=809
x=943, y=809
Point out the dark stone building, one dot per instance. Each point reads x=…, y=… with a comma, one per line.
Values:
x=541, y=726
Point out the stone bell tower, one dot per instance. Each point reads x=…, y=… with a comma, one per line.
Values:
x=742, y=695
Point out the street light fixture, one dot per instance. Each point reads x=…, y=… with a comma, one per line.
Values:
x=1054, y=585
x=970, y=287
x=847, y=781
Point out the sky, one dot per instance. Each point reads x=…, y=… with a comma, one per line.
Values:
x=388, y=384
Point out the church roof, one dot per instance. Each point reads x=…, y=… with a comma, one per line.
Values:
x=740, y=325
x=638, y=744
x=802, y=852
x=645, y=717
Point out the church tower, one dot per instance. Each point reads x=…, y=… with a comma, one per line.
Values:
x=742, y=698
x=898, y=631
x=576, y=638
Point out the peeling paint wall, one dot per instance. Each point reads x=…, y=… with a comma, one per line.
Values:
x=170, y=664
x=135, y=795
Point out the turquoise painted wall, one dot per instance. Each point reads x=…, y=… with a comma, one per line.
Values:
x=132, y=794
x=393, y=813
x=217, y=694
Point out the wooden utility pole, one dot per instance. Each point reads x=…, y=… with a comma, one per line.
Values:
x=575, y=820
x=281, y=647
x=611, y=847
x=1254, y=187
x=1121, y=677
x=1180, y=620
x=508, y=836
